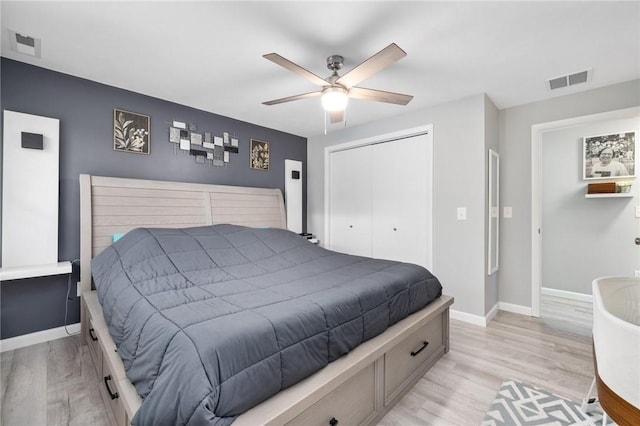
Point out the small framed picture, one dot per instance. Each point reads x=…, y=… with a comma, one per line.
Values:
x=609, y=156
x=131, y=132
x=259, y=155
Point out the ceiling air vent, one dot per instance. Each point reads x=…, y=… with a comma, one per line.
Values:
x=569, y=80
x=24, y=44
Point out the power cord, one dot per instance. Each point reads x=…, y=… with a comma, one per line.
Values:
x=69, y=299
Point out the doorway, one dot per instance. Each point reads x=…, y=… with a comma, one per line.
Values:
x=586, y=221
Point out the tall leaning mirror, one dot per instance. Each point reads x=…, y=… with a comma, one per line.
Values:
x=493, y=211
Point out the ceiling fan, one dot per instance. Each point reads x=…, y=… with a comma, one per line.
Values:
x=336, y=89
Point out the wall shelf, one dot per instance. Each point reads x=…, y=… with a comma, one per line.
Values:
x=612, y=195
x=19, y=272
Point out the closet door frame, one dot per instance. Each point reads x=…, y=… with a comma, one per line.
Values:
x=387, y=137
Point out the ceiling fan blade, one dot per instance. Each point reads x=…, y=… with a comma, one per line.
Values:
x=292, y=98
x=284, y=62
x=380, y=60
x=336, y=116
x=379, y=95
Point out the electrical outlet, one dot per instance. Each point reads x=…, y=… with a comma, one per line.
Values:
x=637, y=273
x=462, y=213
x=507, y=213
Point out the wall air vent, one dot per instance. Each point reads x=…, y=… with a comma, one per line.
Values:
x=569, y=80
x=24, y=44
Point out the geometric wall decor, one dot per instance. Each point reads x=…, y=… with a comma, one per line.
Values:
x=205, y=147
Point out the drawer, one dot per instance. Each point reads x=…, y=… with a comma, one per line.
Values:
x=403, y=362
x=94, y=347
x=351, y=403
x=111, y=395
x=110, y=354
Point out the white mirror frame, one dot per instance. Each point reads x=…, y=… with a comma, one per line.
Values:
x=493, y=212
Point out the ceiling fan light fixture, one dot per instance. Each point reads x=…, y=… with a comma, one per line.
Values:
x=334, y=98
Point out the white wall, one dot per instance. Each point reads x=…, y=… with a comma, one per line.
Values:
x=462, y=135
x=459, y=181
x=515, y=174
x=490, y=142
x=583, y=239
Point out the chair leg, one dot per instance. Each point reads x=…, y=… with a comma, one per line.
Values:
x=588, y=402
x=604, y=418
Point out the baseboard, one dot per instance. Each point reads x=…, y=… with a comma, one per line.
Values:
x=492, y=312
x=516, y=309
x=567, y=294
x=38, y=337
x=474, y=319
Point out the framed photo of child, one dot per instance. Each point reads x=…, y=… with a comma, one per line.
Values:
x=609, y=156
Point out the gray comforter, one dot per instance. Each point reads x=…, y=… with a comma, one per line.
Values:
x=210, y=321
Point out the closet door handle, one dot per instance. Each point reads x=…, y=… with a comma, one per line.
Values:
x=93, y=335
x=350, y=226
x=106, y=384
x=333, y=422
x=424, y=345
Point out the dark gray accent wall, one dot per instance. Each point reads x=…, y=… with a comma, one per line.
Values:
x=85, y=110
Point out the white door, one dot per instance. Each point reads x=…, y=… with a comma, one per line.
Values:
x=402, y=200
x=350, y=201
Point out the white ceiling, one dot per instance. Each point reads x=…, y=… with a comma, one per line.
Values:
x=208, y=55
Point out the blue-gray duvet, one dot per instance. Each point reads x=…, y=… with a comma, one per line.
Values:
x=210, y=321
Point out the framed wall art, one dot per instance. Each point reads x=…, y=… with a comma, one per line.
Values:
x=609, y=156
x=131, y=132
x=259, y=155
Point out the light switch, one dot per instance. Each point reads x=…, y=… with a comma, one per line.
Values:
x=462, y=213
x=637, y=211
x=507, y=213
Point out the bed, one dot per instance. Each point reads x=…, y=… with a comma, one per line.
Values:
x=367, y=363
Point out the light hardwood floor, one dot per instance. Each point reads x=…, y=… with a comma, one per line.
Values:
x=552, y=352
x=50, y=383
x=53, y=383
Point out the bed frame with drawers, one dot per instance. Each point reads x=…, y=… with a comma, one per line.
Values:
x=358, y=388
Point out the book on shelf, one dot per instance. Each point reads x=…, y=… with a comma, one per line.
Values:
x=601, y=188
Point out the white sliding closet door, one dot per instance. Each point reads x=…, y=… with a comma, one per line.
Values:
x=379, y=200
x=350, y=201
x=401, y=203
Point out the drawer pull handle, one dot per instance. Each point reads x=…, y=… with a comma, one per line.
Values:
x=93, y=335
x=424, y=345
x=106, y=384
x=333, y=421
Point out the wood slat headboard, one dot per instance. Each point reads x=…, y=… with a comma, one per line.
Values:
x=116, y=205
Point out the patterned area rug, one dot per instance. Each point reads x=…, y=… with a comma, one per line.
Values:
x=520, y=404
